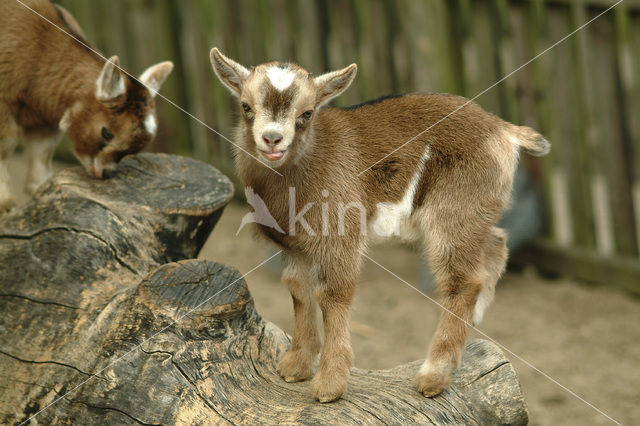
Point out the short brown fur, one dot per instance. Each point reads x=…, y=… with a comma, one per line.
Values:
x=48, y=84
x=463, y=187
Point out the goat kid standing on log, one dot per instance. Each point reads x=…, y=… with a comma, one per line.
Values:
x=51, y=82
x=444, y=190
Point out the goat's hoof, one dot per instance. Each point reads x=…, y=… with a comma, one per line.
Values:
x=295, y=367
x=431, y=384
x=328, y=388
x=7, y=203
x=31, y=188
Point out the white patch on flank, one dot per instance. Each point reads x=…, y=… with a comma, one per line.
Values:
x=150, y=124
x=390, y=219
x=281, y=78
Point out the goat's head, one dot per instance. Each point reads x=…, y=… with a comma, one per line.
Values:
x=116, y=119
x=278, y=103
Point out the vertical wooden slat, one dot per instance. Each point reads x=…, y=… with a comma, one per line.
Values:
x=507, y=61
x=400, y=45
x=565, y=130
x=174, y=125
x=628, y=45
x=366, y=58
x=278, y=36
x=341, y=41
x=479, y=54
x=603, y=226
x=609, y=147
x=557, y=102
x=537, y=104
x=426, y=33
x=223, y=37
x=195, y=58
x=579, y=161
x=309, y=36
x=376, y=68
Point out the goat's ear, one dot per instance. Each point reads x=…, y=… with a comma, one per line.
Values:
x=155, y=75
x=331, y=84
x=110, y=83
x=231, y=74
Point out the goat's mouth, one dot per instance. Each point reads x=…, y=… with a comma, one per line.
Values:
x=273, y=155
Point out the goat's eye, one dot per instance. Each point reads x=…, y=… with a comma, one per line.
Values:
x=246, y=107
x=106, y=134
x=307, y=114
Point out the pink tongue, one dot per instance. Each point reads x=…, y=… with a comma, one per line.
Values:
x=273, y=155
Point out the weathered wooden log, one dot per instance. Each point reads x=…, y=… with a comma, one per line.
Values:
x=103, y=322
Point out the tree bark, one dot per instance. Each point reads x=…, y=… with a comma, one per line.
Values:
x=105, y=322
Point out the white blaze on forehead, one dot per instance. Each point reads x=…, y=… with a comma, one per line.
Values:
x=150, y=124
x=280, y=78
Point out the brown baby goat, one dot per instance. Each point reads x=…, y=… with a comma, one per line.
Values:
x=443, y=191
x=50, y=83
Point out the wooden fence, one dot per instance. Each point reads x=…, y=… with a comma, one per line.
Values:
x=584, y=94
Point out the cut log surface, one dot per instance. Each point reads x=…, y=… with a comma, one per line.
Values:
x=106, y=320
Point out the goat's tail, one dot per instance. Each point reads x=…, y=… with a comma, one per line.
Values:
x=531, y=141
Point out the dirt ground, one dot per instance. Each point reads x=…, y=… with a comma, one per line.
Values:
x=585, y=339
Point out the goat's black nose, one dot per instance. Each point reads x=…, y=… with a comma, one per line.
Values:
x=271, y=138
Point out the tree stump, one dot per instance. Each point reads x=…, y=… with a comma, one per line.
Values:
x=105, y=322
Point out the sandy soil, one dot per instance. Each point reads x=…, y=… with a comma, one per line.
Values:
x=585, y=339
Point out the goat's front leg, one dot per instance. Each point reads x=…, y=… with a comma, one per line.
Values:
x=38, y=149
x=334, y=296
x=298, y=362
x=6, y=199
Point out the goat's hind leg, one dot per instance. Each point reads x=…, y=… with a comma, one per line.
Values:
x=458, y=266
x=9, y=133
x=38, y=150
x=297, y=364
x=495, y=261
